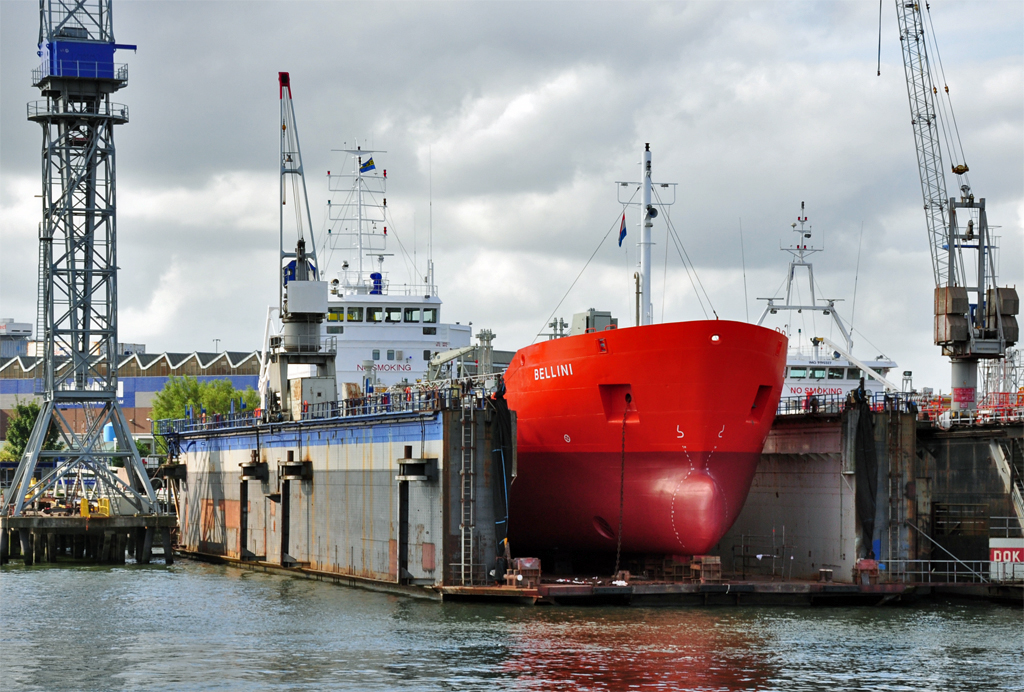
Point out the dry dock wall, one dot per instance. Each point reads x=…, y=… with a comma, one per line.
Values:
x=799, y=515
x=327, y=496
x=960, y=479
x=802, y=515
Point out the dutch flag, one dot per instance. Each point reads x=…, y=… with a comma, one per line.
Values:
x=622, y=229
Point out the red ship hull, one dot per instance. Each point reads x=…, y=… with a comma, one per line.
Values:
x=698, y=399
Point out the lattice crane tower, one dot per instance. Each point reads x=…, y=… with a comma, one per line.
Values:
x=78, y=265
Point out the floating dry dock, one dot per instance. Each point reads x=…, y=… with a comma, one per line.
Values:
x=408, y=492
x=397, y=490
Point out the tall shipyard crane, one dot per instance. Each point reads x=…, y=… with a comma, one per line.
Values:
x=974, y=318
x=302, y=296
x=78, y=269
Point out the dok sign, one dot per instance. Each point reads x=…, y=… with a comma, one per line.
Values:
x=1006, y=554
x=1006, y=558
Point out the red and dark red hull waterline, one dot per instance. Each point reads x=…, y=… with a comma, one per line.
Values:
x=690, y=402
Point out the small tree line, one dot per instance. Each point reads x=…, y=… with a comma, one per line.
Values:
x=174, y=401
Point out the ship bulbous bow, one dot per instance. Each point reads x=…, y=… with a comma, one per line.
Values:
x=671, y=503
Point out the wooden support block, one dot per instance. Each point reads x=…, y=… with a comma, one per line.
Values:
x=51, y=547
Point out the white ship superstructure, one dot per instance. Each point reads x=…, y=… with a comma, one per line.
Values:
x=384, y=330
x=815, y=365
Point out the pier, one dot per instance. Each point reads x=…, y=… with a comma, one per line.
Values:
x=97, y=538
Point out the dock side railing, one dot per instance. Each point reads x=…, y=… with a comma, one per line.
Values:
x=927, y=409
x=440, y=396
x=951, y=572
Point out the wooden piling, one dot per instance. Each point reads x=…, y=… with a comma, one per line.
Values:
x=147, y=547
x=39, y=546
x=165, y=535
x=26, y=545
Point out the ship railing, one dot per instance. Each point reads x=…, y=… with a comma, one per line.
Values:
x=935, y=410
x=443, y=395
x=300, y=343
x=204, y=421
x=950, y=571
x=1004, y=527
x=352, y=282
x=104, y=109
x=421, y=290
x=80, y=69
x=927, y=408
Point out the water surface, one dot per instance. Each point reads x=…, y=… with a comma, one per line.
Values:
x=195, y=626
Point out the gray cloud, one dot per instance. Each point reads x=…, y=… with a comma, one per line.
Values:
x=527, y=113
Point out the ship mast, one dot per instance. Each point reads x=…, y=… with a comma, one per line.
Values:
x=801, y=258
x=649, y=212
x=360, y=208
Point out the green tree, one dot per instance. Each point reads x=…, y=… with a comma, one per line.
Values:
x=215, y=396
x=19, y=428
x=218, y=395
x=177, y=395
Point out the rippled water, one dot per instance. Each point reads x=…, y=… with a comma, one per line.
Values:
x=205, y=627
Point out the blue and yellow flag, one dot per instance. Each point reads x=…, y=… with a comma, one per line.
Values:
x=368, y=166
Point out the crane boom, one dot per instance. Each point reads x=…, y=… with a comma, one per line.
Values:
x=921, y=93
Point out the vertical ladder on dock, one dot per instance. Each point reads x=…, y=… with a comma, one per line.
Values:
x=467, y=498
x=39, y=384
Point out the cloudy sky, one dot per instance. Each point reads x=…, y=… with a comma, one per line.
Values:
x=526, y=114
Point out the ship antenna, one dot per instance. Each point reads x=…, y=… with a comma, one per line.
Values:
x=430, y=216
x=856, y=278
x=743, y=260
